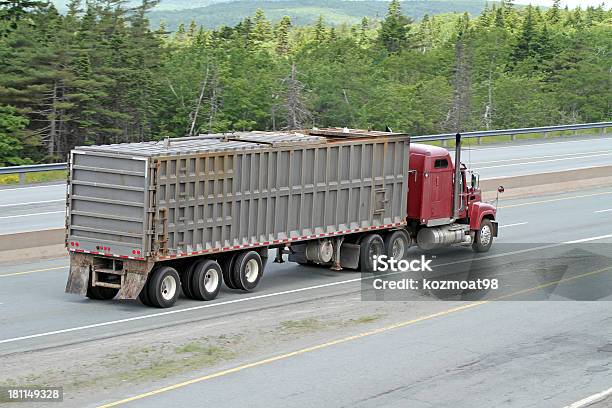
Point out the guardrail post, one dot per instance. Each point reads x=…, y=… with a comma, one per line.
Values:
x=444, y=144
x=478, y=140
x=513, y=137
x=545, y=135
x=22, y=177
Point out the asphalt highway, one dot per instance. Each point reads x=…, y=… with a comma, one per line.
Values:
x=480, y=357
x=32, y=208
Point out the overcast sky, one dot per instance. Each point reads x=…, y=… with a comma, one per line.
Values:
x=570, y=3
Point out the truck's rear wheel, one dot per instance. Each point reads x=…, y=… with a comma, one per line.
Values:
x=186, y=279
x=206, y=280
x=371, y=245
x=163, y=287
x=144, y=295
x=484, y=237
x=397, y=244
x=248, y=270
x=227, y=266
x=101, y=293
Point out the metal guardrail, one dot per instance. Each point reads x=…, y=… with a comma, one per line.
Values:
x=22, y=170
x=512, y=132
x=32, y=168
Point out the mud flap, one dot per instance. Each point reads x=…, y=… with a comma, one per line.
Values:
x=132, y=285
x=495, y=228
x=136, y=273
x=78, y=278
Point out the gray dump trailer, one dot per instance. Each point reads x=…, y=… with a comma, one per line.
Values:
x=147, y=219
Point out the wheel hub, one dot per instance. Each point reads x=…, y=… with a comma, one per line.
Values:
x=168, y=287
x=211, y=280
x=251, y=271
x=485, y=235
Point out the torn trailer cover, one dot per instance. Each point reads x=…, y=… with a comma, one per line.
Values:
x=133, y=205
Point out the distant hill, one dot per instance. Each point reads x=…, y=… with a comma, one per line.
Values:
x=214, y=13
x=304, y=12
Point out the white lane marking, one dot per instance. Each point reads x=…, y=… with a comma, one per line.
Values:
x=542, y=172
x=26, y=188
x=568, y=155
x=591, y=400
x=513, y=225
x=33, y=202
x=543, y=143
x=31, y=215
x=541, y=161
x=285, y=292
x=603, y=211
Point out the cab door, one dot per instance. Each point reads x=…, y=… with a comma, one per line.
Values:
x=441, y=187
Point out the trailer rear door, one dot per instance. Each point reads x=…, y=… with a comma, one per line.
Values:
x=107, y=204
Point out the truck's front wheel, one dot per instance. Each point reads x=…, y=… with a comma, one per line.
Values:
x=484, y=237
x=163, y=287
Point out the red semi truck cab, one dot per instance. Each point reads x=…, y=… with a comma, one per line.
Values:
x=435, y=219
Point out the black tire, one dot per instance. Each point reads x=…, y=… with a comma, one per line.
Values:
x=101, y=293
x=227, y=266
x=206, y=280
x=144, y=294
x=484, y=237
x=370, y=245
x=163, y=293
x=186, y=280
x=397, y=244
x=248, y=270
x=264, y=254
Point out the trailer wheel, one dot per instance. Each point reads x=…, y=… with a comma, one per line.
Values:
x=371, y=245
x=206, y=280
x=484, y=237
x=164, y=287
x=144, y=295
x=397, y=244
x=248, y=270
x=227, y=266
x=264, y=253
x=101, y=293
x=186, y=279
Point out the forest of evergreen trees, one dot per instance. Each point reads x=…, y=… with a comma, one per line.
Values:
x=101, y=74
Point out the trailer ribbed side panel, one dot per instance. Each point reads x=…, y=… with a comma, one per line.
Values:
x=232, y=199
x=107, y=200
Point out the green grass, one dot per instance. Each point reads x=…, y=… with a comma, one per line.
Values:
x=31, y=178
x=302, y=325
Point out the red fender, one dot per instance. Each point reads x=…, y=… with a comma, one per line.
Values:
x=478, y=211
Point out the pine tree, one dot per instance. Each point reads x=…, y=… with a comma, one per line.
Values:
x=319, y=31
x=282, y=35
x=524, y=47
x=363, y=31
x=192, y=31
x=333, y=37
x=553, y=14
x=180, y=34
x=262, y=29
x=394, y=28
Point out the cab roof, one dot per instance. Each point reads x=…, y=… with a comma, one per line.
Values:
x=428, y=150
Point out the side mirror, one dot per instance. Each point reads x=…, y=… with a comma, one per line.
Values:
x=500, y=189
x=474, y=181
